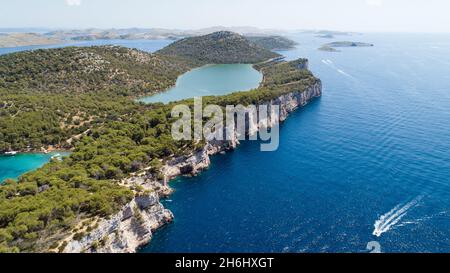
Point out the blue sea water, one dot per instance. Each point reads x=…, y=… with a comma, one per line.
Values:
x=373, y=151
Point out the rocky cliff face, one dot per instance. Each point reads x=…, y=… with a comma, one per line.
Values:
x=126, y=231
x=132, y=227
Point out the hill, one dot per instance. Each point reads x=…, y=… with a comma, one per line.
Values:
x=331, y=47
x=85, y=69
x=273, y=42
x=26, y=39
x=66, y=200
x=349, y=44
x=217, y=48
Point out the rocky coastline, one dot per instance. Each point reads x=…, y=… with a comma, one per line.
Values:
x=133, y=226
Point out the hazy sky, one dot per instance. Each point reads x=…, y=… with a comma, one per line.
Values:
x=350, y=15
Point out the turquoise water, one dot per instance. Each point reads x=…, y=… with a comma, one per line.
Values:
x=373, y=150
x=210, y=80
x=14, y=166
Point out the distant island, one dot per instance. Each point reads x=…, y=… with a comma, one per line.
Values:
x=26, y=39
x=328, y=48
x=331, y=47
x=333, y=33
x=277, y=43
x=326, y=36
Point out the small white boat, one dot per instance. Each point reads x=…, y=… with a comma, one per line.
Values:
x=11, y=153
x=57, y=157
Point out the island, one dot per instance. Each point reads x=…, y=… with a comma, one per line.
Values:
x=269, y=39
x=105, y=197
x=333, y=33
x=328, y=48
x=223, y=47
x=276, y=43
x=325, y=36
x=331, y=46
x=26, y=39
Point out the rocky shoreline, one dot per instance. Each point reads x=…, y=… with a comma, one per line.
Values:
x=133, y=226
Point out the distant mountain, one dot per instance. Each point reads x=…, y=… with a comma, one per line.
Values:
x=333, y=32
x=219, y=47
x=273, y=42
x=153, y=33
x=349, y=44
x=119, y=34
x=85, y=69
x=243, y=30
x=325, y=36
x=92, y=34
x=26, y=39
x=24, y=30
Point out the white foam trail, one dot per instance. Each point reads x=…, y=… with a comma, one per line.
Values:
x=343, y=73
x=390, y=219
x=420, y=220
x=327, y=62
x=340, y=71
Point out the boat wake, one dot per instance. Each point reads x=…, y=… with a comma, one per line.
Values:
x=333, y=66
x=393, y=217
x=343, y=72
x=327, y=62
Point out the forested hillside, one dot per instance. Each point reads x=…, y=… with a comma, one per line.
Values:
x=47, y=204
x=86, y=69
x=272, y=42
x=218, y=48
x=82, y=98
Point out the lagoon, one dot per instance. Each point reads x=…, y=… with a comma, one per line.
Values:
x=210, y=80
x=14, y=166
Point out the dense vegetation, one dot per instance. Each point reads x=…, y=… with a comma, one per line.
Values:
x=48, y=96
x=219, y=47
x=86, y=69
x=44, y=205
x=272, y=42
x=31, y=120
x=116, y=137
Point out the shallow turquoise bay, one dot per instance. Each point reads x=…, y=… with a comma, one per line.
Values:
x=210, y=80
x=14, y=166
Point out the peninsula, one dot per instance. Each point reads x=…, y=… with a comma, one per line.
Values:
x=277, y=43
x=105, y=196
